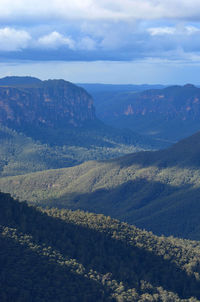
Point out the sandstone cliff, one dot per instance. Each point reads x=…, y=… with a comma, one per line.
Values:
x=53, y=103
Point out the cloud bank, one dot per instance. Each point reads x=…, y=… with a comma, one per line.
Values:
x=13, y=40
x=100, y=9
x=91, y=30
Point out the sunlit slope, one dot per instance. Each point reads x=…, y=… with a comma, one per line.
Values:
x=20, y=154
x=158, y=190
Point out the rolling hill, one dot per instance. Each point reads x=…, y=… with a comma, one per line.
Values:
x=53, y=255
x=158, y=191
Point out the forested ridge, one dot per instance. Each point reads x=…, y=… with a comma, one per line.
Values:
x=61, y=255
x=21, y=154
x=158, y=191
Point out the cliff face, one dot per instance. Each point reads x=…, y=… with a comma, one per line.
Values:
x=174, y=102
x=171, y=103
x=53, y=103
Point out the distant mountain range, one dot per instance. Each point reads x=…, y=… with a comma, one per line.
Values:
x=60, y=255
x=56, y=121
x=158, y=191
x=117, y=88
x=166, y=113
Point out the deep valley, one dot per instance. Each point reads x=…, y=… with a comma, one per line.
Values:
x=106, y=209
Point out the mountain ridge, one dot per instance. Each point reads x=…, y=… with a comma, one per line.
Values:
x=170, y=113
x=155, y=190
x=50, y=103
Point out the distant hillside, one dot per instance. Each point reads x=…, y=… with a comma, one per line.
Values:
x=95, y=88
x=20, y=154
x=170, y=114
x=64, y=256
x=57, y=124
x=158, y=191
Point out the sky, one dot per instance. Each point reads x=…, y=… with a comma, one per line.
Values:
x=104, y=41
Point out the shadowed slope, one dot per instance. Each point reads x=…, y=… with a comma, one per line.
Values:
x=106, y=259
x=155, y=190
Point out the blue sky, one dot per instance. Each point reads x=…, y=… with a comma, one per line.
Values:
x=107, y=41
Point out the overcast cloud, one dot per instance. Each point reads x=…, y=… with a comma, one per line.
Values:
x=106, y=30
x=100, y=9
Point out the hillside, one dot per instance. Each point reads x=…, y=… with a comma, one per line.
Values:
x=52, y=124
x=20, y=154
x=80, y=256
x=158, y=191
x=94, y=88
x=170, y=113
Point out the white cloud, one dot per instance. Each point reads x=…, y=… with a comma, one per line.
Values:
x=99, y=9
x=114, y=29
x=191, y=30
x=13, y=40
x=55, y=40
x=178, y=30
x=156, y=31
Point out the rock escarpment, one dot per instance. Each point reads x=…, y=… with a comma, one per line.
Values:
x=53, y=103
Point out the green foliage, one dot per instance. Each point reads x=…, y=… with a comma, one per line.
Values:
x=158, y=191
x=60, y=255
x=20, y=154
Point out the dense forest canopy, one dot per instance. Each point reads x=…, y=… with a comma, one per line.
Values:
x=77, y=255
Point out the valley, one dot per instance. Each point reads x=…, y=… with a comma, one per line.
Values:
x=99, y=151
x=111, y=214
x=52, y=124
x=158, y=190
